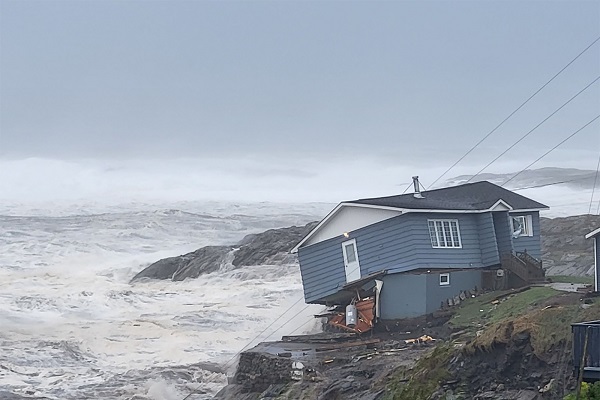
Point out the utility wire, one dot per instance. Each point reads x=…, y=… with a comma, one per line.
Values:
x=534, y=128
x=548, y=184
x=594, y=188
x=409, y=185
x=515, y=111
x=227, y=364
x=551, y=150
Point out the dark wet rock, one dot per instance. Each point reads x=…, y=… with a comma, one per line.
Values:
x=565, y=251
x=269, y=247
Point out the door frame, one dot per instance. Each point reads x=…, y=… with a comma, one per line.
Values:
x=346, y=264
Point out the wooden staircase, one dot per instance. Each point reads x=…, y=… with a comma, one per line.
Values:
x=523, y=265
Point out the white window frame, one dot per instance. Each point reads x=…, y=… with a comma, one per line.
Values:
x=438, y=237
x=447, y=283
x=526, y=221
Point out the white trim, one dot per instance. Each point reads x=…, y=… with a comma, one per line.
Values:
x=501, y=205
x=527, y=225
x=333, y=212
x=531, y=209
x=347, y=264
x=437, y=238
x=596, y=264
x=592, y=233
x=447, y=275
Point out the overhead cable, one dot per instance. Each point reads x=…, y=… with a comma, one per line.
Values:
x=551, y=150
x=534, y=128
x=515, y=111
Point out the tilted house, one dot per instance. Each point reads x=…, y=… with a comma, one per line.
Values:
x=425, y=247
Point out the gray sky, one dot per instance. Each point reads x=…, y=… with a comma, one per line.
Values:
x=399, y=81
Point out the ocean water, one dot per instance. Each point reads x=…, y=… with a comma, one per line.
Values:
x=73, y=327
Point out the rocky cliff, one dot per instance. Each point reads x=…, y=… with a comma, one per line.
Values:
x=565, y=251
x=268, y=247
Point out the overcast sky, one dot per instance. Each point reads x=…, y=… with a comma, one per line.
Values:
x=401, y=81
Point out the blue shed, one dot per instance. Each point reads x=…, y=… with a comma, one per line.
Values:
x=421, y=249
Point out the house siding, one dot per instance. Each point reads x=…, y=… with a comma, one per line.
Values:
x=459, y=281
x=531, y=244
x=403, y=296
x=503, y=232
x=399, y=242
x=487, y=240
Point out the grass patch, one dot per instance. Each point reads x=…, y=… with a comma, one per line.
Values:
x=587, y=280
x=420, y=382
x=546, y=328
x=476, y=312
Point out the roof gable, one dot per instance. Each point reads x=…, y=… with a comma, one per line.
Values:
x=468, y=198
x=471, y=196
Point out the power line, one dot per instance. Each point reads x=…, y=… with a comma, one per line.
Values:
x=551, y=150
x=227, y=364
x=548, y=184
x=534, y=128
x=515, y=111
x=594, y=188
x=409, y=185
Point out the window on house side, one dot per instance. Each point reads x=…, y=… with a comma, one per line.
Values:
x=522, y=225
x=444, y=233
x=444, y=279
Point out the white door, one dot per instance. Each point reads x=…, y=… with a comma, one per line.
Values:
x=351, y=260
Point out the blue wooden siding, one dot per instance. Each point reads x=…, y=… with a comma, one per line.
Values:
x=503, y=231
x=398, y=243
x=459, y=281
x=530, y=243
x=411, y=295
x=403, y=296
x=487, y=240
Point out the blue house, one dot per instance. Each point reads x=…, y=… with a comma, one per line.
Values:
x=415, y=252
x=596, y=236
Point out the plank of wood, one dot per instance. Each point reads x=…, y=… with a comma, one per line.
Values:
x=349, y=344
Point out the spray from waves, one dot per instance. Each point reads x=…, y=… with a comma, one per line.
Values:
x=72, y=326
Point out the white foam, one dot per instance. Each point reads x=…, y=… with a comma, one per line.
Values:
x=70, y=318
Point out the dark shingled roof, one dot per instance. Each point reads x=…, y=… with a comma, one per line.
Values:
x=471, y=196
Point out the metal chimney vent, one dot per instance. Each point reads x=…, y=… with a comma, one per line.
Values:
x=417, y=186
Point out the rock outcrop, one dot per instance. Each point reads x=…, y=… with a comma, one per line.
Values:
x=268, y=247
x=565, y=251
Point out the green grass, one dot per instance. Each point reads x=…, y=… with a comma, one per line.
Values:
x=588, y=280
x=549, y=328
x=476, y=312
x=423, y=380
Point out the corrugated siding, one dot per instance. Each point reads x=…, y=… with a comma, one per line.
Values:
x=503, y=232
x=399, y=242
x=487, y=240
x=530, y=243
x=403, y=296
x=459, y=281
